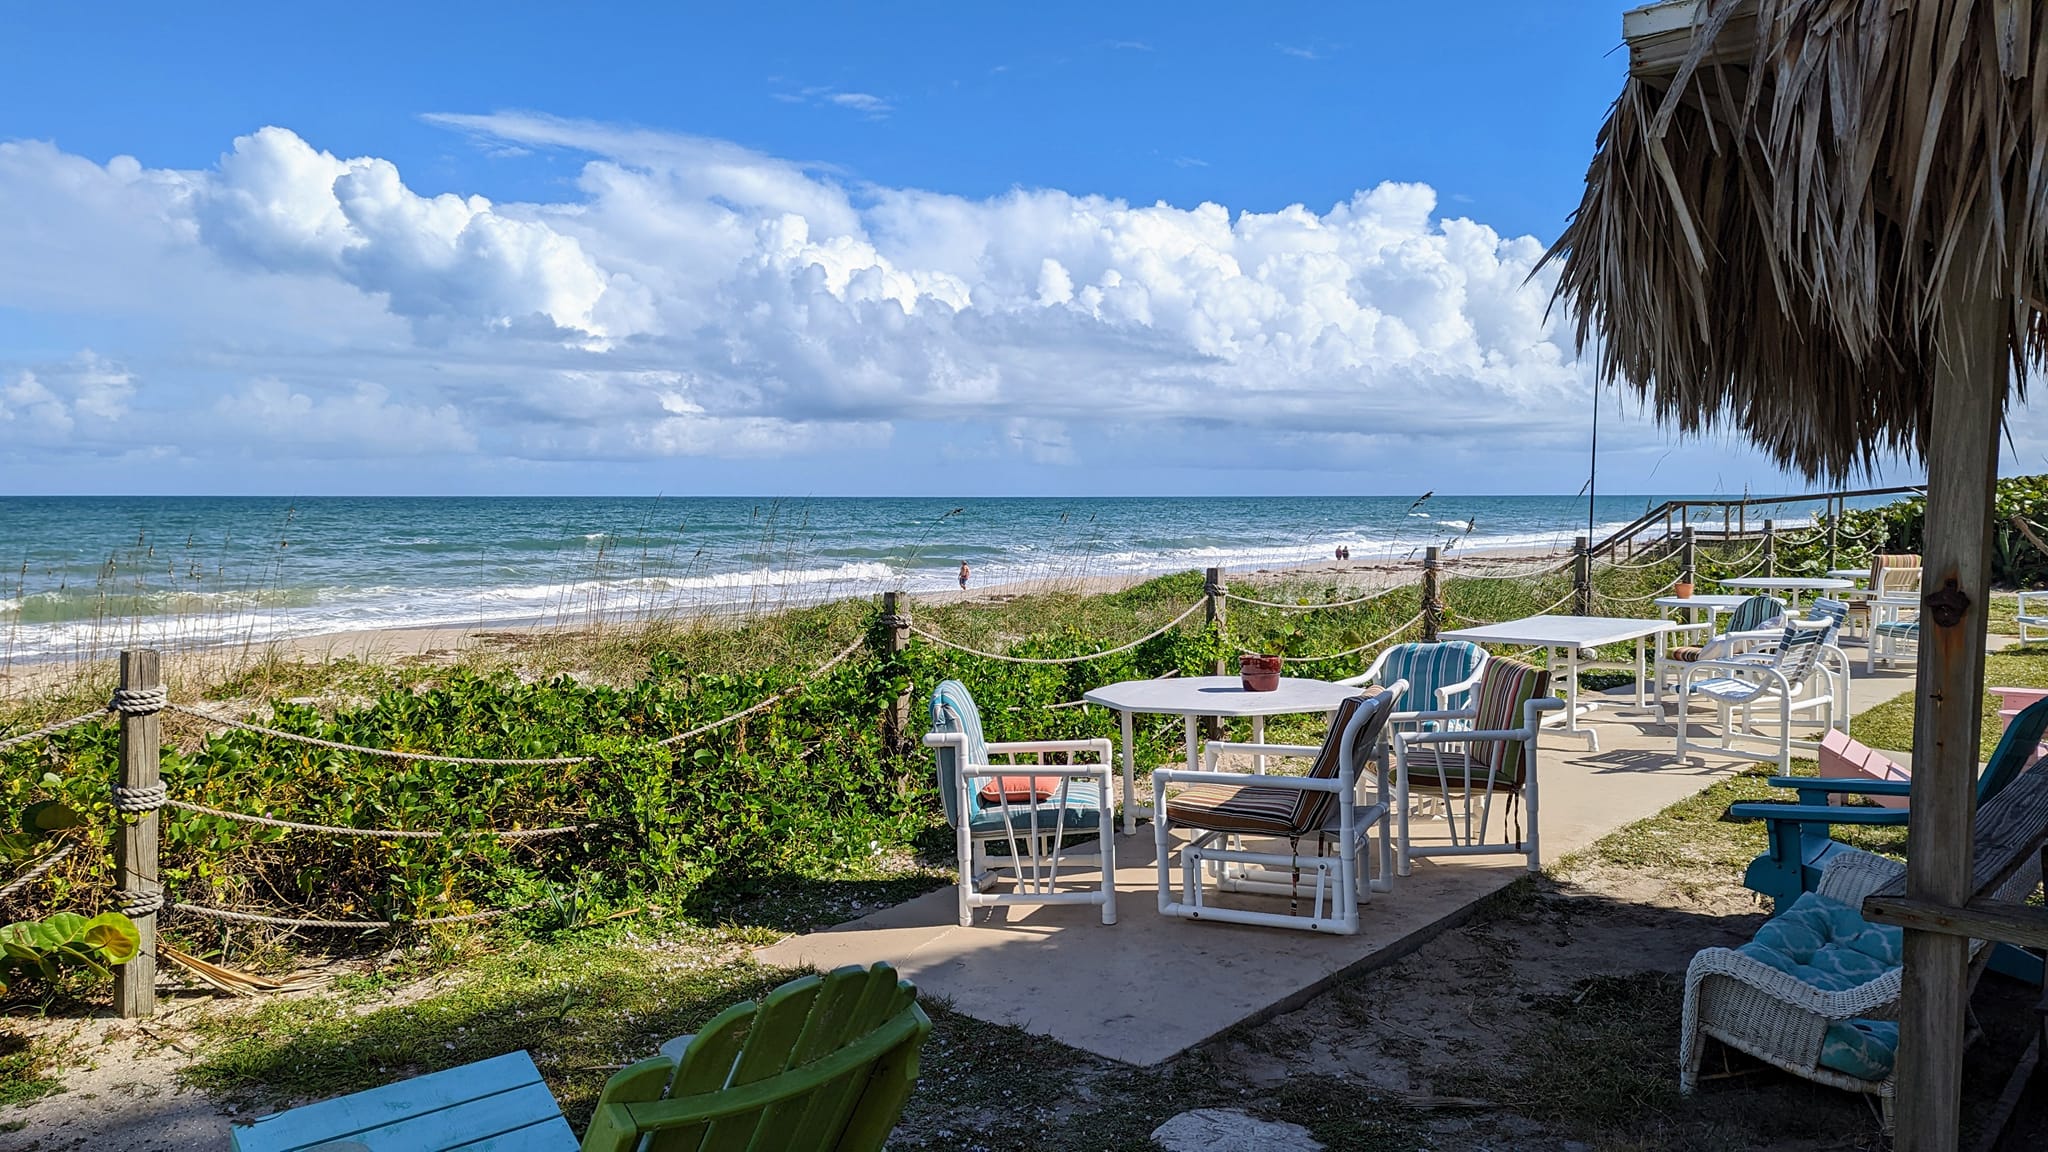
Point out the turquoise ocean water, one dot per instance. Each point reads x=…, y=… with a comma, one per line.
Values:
x=85, y=573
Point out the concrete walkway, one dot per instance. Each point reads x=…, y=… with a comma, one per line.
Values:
x=1149, y=987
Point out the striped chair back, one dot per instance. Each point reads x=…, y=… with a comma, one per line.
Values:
x=1504, y=687
x=953, y=710
x=1354, y=734
x=1429, y=667
x=1834, y=612
x=1892, y=573
x=1800, y=648
x=1754, y=613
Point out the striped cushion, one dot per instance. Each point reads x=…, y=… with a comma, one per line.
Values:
x=953, y=710
x=1504, y=688
x=1899, y=628
x=1276, y=809
x=1689, y=653
x=1754, y=613
x=1895, y=572
x=1431, y=766
x=1429, y=667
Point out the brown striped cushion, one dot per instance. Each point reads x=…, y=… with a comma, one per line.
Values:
x=1688, y=653
x=1276, y=809
x=1504, y=687
x=1430, y=766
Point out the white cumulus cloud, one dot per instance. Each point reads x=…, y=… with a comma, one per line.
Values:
x=687, y=297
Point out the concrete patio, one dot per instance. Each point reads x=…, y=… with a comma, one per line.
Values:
x=1150, y=987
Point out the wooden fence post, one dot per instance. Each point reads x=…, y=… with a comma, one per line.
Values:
x=1582, y=577
x=896, y=725
x=1834, y=531
x=1688, y=573
x=1215, y=589
x=1432, y=606
x=140, y=701
x=1770, y=548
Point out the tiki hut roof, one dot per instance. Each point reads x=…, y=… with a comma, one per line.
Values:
x=1785, y=193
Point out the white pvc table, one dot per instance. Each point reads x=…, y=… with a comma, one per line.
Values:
x=1712, y=605
x=1853, y=575
x=1569, y=634
x=1793, y=584
x=1194, y=697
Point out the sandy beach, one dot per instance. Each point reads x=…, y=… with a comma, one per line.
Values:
x=21, y=681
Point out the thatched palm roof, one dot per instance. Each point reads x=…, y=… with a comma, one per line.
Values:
x=1779, y=204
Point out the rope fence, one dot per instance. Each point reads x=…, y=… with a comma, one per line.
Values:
x=1366, y=599
x=376, y=833
x=1162, y=630
x=233, y=915
x=52, y=729
x=1411, y=622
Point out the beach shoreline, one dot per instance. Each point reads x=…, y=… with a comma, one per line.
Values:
x=23, y=679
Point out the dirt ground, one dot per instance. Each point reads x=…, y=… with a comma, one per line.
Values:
x=1549, y=1024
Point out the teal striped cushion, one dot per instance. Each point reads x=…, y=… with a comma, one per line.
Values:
x=953, y=710
x=1429, y=667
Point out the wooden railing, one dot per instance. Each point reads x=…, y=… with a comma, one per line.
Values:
x=1665, y=523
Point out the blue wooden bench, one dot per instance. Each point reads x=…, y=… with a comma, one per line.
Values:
x=495, y=1105
x=823, y=1062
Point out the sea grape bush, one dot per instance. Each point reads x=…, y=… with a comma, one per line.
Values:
x=804, y=788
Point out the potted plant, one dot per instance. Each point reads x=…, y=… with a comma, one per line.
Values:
x=1258, y=673
x=1682, y=589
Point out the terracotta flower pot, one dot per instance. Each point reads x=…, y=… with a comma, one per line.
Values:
x=1682, y=590
x=1259, y=673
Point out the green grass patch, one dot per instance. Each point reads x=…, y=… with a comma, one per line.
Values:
x=25, y=1067
x=1890, y=725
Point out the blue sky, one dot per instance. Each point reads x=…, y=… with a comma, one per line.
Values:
x=819, y=248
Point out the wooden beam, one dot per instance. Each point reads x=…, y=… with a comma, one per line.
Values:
x=1977, y=920
x=1962, y=468
x=1660, y=35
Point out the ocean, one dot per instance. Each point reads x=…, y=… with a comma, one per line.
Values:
x=87, y=573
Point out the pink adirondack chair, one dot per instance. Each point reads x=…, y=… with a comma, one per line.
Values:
x=1846, y=759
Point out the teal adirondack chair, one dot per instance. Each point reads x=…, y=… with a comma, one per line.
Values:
x=821, y=1063
x=1801, y=837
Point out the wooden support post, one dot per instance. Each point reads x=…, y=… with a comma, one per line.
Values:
x=1217, y=614
x=1770, y=547
x=1432, y=604
x=896, y=725
x=1582, y=577
x=1969, y=383
x=1687, y=572
x=135, y=849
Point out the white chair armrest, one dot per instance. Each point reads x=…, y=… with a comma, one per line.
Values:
x=1461, y=714
x=1006, y=747
x=1444, y=694
x=1091, y=771
x=1462, y=736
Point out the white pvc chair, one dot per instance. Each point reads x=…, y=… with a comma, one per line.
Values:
x=1223, y=810
x=1792, y=681
x=1034, y=809
x=2033, y=616
x=1481, y=760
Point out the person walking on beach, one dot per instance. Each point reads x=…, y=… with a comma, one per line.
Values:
x=963, y=575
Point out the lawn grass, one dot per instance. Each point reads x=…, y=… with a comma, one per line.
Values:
x=26, y=1065
x=1890, y=725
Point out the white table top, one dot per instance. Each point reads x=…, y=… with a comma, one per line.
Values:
x=1563, y=631
x=1791, y=583
x=1712, y=601
x=1219, y=696
x=1850, y=573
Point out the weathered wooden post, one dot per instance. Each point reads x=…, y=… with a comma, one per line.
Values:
x=1687, y=573
x=1770, y=548
x=1834, y=531
x=1432, y=606
x=1582, y=577
x=1969, y=368
x=896, y=725
x=1217, y=614
x=140, y=700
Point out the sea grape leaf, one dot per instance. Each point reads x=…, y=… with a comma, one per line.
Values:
x=46, y=816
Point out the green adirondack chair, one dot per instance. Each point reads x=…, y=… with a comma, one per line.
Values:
x=821, y=1064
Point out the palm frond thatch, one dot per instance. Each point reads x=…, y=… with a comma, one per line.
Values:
x=1768, y=237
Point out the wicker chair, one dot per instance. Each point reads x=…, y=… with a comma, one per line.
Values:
x=1774, y=1016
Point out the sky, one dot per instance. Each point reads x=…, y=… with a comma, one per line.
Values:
x=809, y=249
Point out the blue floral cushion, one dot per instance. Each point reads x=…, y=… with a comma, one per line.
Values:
x=1828, y=944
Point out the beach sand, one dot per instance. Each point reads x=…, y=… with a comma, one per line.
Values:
x=22, y=681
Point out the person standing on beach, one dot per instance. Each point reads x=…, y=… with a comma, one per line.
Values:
x=963, y=575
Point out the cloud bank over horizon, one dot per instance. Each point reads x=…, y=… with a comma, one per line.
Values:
x=690, y=299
